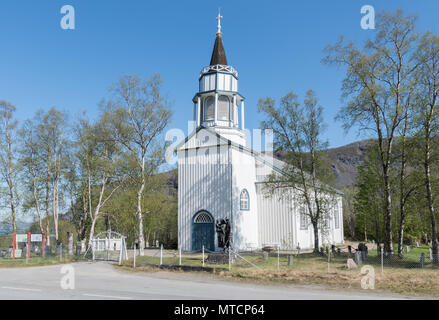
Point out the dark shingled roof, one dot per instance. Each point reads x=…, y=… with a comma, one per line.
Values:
x=218, y=54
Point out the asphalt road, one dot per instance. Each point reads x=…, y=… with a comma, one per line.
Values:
x=100, y=280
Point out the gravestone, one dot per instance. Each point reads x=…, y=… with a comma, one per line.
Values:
x=363, y=255
x=290, y=260
x=358, y=257
x=222, y=258
x=407, y=249
x=218, y=258
x=351, y=264
x=362, y=248
x=265, y=255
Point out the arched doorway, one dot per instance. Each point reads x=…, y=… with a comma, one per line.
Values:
x=203, y=231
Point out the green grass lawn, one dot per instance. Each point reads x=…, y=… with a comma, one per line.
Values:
x=33, y=261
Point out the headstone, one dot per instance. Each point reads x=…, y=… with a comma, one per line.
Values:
x=362, y=248
x=351, y=264
x=363, y=255
x=417, y=243
x=422, y=260
x=357, y=257
x=265, y=255
x=221, y=258
x=407, y=249
x=290, y=260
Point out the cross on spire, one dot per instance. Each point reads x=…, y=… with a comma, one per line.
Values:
x=219, y=17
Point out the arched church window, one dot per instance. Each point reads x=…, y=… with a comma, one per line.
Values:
x=244, y=200
x=209, y=108
x=203, y=217
x=223, y=108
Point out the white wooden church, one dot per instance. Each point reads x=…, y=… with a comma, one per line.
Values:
x=219, y=177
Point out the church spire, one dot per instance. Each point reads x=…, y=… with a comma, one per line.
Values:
x=218, y=54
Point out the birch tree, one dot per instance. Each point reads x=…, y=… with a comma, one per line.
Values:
x=32, y=170
x=99, y=156
x=378, y=88
x=139, y=114
x=8, y=157
x=51, y=136
x=428, y=111
x=298, y=131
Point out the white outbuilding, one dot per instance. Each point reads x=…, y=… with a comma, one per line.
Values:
x=219, y=177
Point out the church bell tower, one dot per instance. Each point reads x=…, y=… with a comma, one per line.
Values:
x=218, y=105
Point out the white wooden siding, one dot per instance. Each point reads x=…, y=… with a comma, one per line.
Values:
x=204, y=184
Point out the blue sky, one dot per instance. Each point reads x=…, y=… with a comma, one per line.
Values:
x=275, y=45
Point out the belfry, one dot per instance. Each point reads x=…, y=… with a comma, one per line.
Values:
x=218, y=104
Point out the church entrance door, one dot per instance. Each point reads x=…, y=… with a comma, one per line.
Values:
x=203, y=231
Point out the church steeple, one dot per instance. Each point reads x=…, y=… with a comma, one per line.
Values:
x=218, y=102
x=218, y=54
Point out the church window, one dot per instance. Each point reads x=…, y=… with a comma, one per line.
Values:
x=203, y=217
x=223, y=108
x=244, y=200
x=209, y=108
x=303, y=218
x=336, y=217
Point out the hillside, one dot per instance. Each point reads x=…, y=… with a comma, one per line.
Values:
x=345, y=161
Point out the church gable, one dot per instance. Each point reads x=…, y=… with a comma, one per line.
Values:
x=202, y=138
